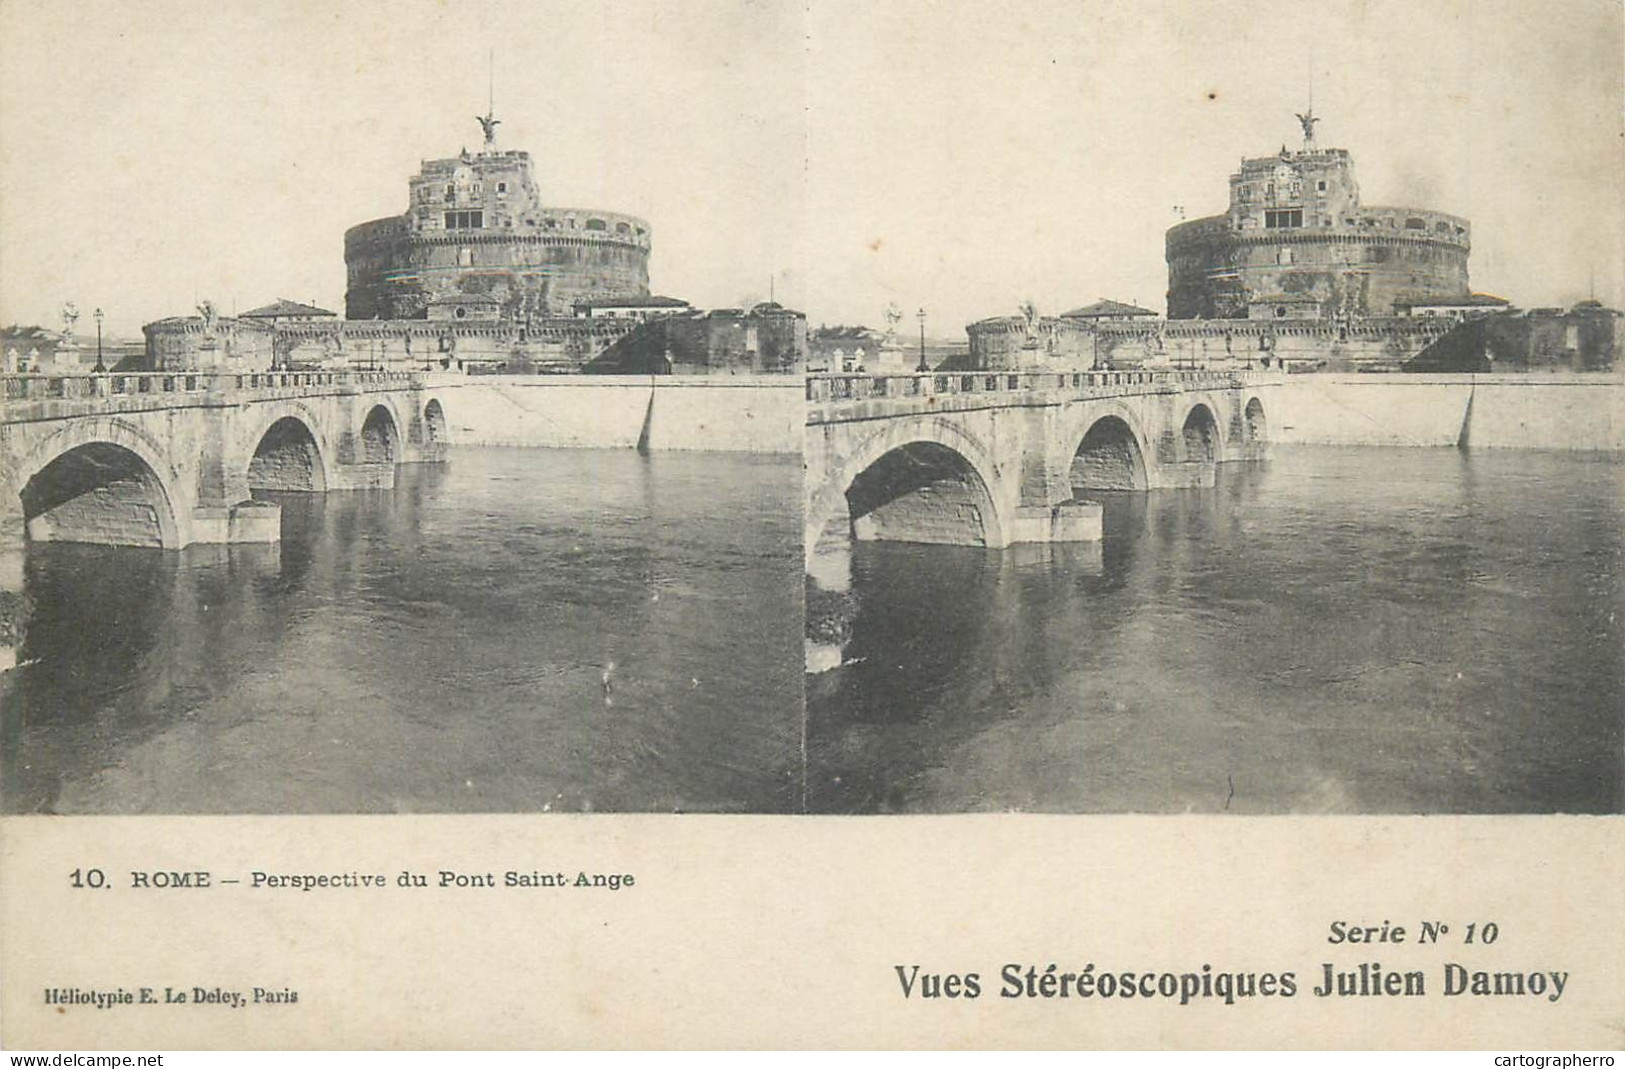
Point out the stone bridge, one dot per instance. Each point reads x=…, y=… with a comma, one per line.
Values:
x=996, y=458
x=169, y=459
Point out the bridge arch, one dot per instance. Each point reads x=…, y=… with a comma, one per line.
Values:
x=1254, y=423
x=1106, y=448
x=380, y=435
x=925, y=476
x=287, y=450
x=1201, y=435
x=1109, y=457
x=101, y=481
x=435, y=428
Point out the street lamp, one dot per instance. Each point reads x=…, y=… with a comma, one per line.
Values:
x=100, y=367
x=923, y=366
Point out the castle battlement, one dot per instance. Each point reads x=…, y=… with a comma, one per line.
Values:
x=1297, y=233
x=475, y=225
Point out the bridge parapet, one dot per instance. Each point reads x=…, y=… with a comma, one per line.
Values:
x=1016, y=387
x=25, y=397
x=31, y=387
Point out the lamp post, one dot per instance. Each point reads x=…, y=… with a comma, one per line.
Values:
x=923, y=366
x=100, y=367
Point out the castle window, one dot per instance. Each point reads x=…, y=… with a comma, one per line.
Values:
x=597, y=224
x=502, y=187
x=1284, y=256
x=1275, y=218
x=1443, y=228
x=465, y=257
x=1320, y=186
x=1413, y=223
x=622, y=228
x=465, y=220
x=451, y=191
x=461, y=312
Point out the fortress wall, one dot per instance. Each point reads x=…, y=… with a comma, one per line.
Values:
x=527, y=268
x=1569, y=412
x=1554, y=414
x=754, y=414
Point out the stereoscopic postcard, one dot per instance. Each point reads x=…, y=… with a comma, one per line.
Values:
x=781, y=524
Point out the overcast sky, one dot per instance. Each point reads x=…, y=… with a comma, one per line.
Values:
x=960, y=157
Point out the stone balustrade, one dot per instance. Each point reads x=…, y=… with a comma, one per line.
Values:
x=91, y=385
x=860, y=387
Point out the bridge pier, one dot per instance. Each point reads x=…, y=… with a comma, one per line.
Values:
x=245, y=521
x=13, y=605
x=1066, y=521
x=362, y=477
x=1185, y=475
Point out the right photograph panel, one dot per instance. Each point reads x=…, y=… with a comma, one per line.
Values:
x=1334, y=525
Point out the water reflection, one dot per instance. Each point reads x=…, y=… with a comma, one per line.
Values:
x=440, y=647
x=1337, y=631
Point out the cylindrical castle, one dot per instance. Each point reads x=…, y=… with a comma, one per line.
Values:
x=1297, y=243
x=476, y=226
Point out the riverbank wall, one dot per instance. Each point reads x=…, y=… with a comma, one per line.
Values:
x=1574, y=412
x=733, y=414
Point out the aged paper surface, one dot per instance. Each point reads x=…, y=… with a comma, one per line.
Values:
x=786, y=932
x=839, y=158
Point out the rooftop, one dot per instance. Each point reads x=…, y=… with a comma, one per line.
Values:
x=631, y=302
x=1104, y=307
x=1471, y=300
x=283, y=307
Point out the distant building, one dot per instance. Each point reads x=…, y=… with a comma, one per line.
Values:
x=639, y=308
x=1105, y=311
x=768, y=339
x=1300, y=274
x=478, y=275
x=475, y=223
x=844, y=349
x=1296, y=226
x=28, y=350
x=1584, y=338
x=1272, y=306
x=1459, y=307
x=283, y=310
x=210, y=342
x=461, y=307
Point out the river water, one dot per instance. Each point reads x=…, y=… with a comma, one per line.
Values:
x=1334, y=631
x=441, y=647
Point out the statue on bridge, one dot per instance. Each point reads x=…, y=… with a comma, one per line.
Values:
x=70, y=316
x=894, y=316
x=1029, y=312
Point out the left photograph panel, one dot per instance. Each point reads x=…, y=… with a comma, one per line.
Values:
x=500, y=513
